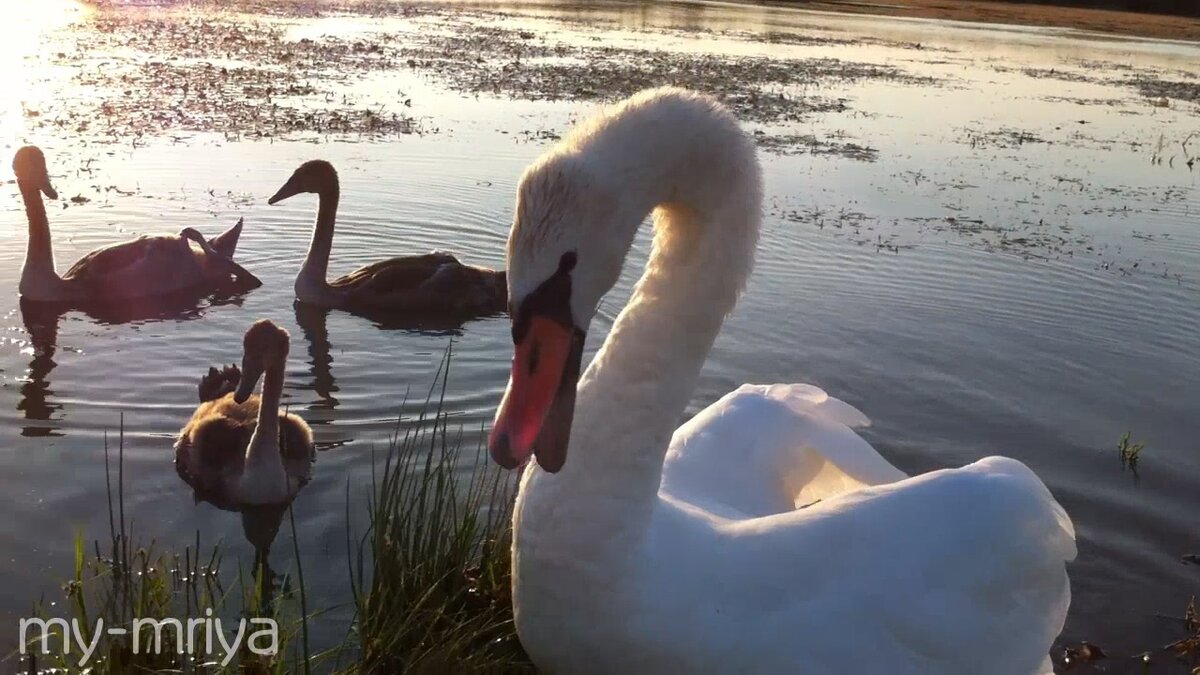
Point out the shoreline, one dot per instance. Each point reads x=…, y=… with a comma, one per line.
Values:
x=1113, y=22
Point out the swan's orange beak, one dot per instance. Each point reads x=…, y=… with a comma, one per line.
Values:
x=538, y=406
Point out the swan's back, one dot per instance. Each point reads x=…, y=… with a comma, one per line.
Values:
x=435, y=281
x=211, y=447
x=762, y=450
x=403, y=272
x=114, y=260
x=951, y=571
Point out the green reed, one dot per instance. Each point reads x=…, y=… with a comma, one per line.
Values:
x=431, y=576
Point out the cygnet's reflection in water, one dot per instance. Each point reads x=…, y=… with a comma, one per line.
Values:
x=42, y=321
x=239, y=451
x=36, y=403
x=260, y=525
x=313, y=322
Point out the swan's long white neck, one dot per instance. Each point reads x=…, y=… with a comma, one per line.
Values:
x=635, y=391
x=701, y=179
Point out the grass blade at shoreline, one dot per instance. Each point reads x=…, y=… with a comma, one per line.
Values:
x=438, y=596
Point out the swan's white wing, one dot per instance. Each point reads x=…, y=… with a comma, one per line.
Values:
x=766, y=449
x=949, y=572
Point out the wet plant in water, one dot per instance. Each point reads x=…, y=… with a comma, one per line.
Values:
x=1185, y=650
x=1086, y=652
x=1129, y=451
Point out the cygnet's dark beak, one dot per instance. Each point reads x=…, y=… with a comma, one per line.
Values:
x=289, y=189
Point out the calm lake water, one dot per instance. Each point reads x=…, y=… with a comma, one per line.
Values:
x=988, y=239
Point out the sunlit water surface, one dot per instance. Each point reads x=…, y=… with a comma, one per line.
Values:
x=870, y=283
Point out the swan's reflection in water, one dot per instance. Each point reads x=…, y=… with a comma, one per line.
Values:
x=41, y=321
x=313, y=322
x=260, y=527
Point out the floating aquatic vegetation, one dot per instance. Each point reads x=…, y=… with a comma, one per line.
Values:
x=814, y=37
x=1159, y=88
x=797, y=144
x=1086, y=652
x=1031, y=240
x=1077, y=100
x=1059, y=74
x=518, y=63
x=1157, y=85
x=1129, y=452
x=1002, y=138
x=172, y=72
x=855, y=226
x=1183, y=652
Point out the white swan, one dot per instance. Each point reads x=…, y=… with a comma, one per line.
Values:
x=644, y=551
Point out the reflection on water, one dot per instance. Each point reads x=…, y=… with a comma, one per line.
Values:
x=260, y=525
x=42, y=327
x=313, y=321
x=41, y=322
x=984, y=255
x=21, y=33
x=431, y=324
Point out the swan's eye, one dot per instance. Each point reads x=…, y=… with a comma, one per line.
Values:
x=552, y=299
